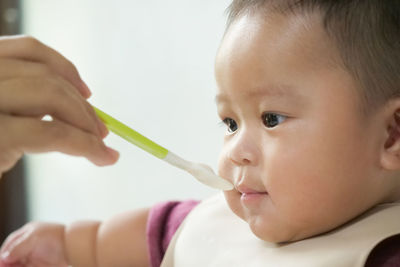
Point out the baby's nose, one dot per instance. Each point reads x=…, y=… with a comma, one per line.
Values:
x=243, y=150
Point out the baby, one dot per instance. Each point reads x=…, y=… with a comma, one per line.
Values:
x=309, y=92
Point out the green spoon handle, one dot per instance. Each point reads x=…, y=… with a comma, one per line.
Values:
x=131, y=135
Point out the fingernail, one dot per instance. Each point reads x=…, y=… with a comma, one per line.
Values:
x=114, y=153
x=86, y=89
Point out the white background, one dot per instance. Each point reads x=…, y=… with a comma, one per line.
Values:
x=150, y=64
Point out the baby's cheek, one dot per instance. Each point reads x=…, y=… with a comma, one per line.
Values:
x=304, y=204
x=233, y=199
x=224, y=166
x=293, y=189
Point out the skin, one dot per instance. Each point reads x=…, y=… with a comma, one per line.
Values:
x=320, y=166
x=119, y=241
x=35, y=80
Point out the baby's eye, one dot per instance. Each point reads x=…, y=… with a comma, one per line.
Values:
x=231, y=124
x=271, y=120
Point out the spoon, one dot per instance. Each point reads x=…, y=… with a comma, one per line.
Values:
x=201, y=172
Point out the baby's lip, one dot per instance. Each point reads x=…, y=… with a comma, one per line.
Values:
x=243, y=189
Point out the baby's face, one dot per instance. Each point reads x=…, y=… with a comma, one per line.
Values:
x=301, y=155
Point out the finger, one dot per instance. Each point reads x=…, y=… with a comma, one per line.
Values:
x=28, y=48
x=103, y=129
x=15, y=69
x=19, y=249
x=11, y=238
x=50, y=95
x=33, y=136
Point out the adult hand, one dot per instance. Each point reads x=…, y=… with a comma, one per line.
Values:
x=35, y=81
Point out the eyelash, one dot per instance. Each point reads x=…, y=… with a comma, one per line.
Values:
x=265, y=117
x=269, y=115
x=229, y=122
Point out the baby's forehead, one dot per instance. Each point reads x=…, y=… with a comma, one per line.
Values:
x=276, y=50
x=289, y=35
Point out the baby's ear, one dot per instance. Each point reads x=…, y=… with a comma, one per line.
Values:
x=390, y=158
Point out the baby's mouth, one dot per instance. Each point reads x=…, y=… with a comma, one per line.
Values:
x=250, y=197
x=253, y=199
x=242, y=188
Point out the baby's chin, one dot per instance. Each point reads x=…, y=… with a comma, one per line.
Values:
x=280, y=231
x=274, y=229
x=278, y=234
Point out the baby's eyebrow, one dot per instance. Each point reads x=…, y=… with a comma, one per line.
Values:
x=272, y=91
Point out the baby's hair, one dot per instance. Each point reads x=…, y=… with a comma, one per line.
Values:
x=366, y=32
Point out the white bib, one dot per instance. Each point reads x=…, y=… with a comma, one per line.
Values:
x=212, y=235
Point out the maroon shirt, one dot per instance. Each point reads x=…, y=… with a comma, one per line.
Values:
x=165, y=218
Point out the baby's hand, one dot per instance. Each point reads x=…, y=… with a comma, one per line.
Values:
x=35, y=244
x=36, y=80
